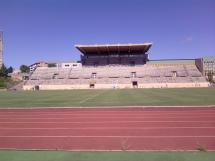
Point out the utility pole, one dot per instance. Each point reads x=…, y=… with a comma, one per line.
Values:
x=1, y=49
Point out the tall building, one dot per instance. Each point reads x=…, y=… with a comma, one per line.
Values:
x=1, y=48
x=206, y=65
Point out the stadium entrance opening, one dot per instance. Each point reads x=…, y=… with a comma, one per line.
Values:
x=37, y=88
x=135, y=84
x=132, y=63
x=92, y=85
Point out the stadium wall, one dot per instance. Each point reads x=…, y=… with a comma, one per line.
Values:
x=181, y=73
x=119, y=86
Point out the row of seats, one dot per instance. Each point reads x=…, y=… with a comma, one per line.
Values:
x=117, y=81
x=120, y=72
x=117, y=74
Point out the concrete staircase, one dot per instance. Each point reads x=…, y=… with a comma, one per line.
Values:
x=17, y=87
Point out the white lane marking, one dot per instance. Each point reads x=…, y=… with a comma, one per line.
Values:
x=106, y=111
x=103, y=136
x=112, y=117
x=107, y=128
x=101, y=122
x=109, y=115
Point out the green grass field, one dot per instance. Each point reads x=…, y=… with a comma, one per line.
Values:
x=105, y=156
x=123, y=97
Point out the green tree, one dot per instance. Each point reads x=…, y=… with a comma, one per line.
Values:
x=10, y=70
x=210, y=76
x=24, y=69
x=3, y=71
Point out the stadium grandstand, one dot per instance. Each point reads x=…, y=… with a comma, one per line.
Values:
x=116, y=66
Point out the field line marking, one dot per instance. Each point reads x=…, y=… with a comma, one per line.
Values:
x=105, y=112
x=109, y=107
x=91, y=97
x=101, y=110
x=104, y=150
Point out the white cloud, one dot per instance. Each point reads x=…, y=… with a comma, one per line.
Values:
x=188, y=39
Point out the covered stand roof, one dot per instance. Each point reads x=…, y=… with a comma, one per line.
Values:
x=114, y=48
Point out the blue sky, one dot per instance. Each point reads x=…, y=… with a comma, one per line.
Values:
x=48, y=29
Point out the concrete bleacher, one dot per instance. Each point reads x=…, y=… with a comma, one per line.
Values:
x=120, y=76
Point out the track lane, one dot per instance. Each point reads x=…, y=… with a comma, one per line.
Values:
x=105, y=124
x=106, y=119
x=109, y=143
x=108, y=129
x=110, y=132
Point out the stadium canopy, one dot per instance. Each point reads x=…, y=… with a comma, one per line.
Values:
x=114, y=48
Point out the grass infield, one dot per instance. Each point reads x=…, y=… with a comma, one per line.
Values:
x=122, y=97
x=104, y=156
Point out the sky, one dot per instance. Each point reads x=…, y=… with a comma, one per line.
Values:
x=36, y=30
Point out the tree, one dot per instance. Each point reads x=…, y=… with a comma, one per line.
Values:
x=4, y=80
x=10, y=69
x=24, y=69
x=3, y=71
x=210, y=76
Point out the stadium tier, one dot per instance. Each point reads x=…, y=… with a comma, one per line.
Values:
x=123, y=54
x=117, y=66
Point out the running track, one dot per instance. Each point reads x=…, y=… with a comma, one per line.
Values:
x=108, y=128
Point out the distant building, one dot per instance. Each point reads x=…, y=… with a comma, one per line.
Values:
x=38, y=64
x=1, y=48
x=206, y=65
x=71, y=65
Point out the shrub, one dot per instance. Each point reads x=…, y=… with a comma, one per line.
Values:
x=210, y=76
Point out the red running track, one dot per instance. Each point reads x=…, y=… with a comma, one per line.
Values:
x=108, y=128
